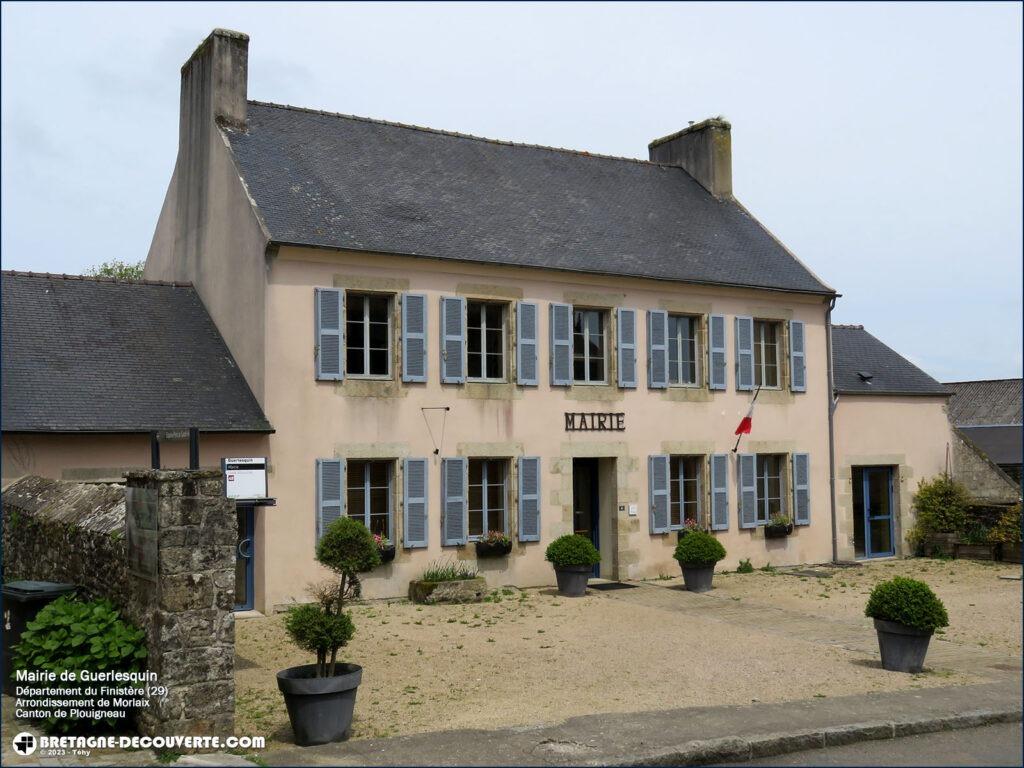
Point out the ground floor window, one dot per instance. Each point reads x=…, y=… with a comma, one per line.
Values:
x=487, y=496
x=369, y=495
x=684, y=491
x=770, y=476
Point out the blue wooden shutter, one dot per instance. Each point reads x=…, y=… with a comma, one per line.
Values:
x=529, y=498
x=414, y=337
x=453, y=340
x=526, y=344
x=801, y=489
x=716, y=352
x=561, y=345
x=797, y=357
x=414, y=502
x=719, y=465
x=626, y=343
x=746, y=473
x=329, y=342
x=330, y=493
x=744, y=353
x=658, y=485
x=657, y=349
x=454, y=510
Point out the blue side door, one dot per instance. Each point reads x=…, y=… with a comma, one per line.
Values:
x=878, y=528
x=244, y=555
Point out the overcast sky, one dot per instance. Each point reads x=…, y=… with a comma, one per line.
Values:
x=881, y=143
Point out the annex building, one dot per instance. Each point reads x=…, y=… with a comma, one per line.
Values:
x=443, y=335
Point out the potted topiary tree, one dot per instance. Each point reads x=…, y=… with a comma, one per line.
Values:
x=574, y=558
x=906, y=614
x=697, y=553
x=320, y=697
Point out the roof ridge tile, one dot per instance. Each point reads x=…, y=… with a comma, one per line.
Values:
x=95, y=278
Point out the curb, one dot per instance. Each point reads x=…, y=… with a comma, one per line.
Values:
x=737, y=749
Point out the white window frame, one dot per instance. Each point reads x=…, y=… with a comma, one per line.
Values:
x=762, y=480
x=677, y=480
x=364, y=515
x=484, y=350
x=676, y=344
x=485, y=483
x=603, y=314
x=365, y=296
x=759, y=342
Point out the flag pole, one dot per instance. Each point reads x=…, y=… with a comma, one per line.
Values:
x=740, y=435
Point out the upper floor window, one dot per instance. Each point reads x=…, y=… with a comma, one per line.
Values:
x=684, y=490
x=487, y=496
x=770, y=477
x=485, y=348
x=368, y=497
x=590, y=346
x=683, y=355
x=368, y=335
x=766, y=353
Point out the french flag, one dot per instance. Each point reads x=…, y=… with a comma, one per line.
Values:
x=746, y=423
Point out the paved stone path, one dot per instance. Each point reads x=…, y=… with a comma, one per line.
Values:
x=851, y=635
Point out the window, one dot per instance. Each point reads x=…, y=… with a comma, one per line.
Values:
x=766, y=353
x=683, y=367
x=487, y=496
x=770, y=495
x=485, y=352
x=684, y=490
x=369, y=495
x=368, y=335
x=589, y=346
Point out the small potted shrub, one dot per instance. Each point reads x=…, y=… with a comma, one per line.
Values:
x=493, y=544
x=906, y=614
x=386, y=547
x=321, y=697
x=778, y=526
x=697, y=554
x=574, y=558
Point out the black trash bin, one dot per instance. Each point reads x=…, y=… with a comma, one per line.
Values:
x=22, y=601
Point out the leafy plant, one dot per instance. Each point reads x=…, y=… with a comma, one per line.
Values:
x=572, y=550
x=121, y=270
x=382, y=542
x=448, y=570
x=690, y=524
x=699, y=549
x=976, y=533
x=907, y=601
x=745, y=566
x=74, y=635
x=1008, y=529
x=940, y=505
x=495, y=538
x=779, y=520
x=347, y=548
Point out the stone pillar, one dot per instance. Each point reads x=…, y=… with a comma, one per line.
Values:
x=185, y=599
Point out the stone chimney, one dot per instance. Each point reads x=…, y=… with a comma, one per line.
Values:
x=214, y=84
x=703, y=150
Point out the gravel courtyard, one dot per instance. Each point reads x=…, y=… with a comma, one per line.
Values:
x=528, y=657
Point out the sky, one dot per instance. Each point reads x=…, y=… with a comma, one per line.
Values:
x=880, y=142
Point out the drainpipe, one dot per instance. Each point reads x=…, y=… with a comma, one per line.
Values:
x=831, y=430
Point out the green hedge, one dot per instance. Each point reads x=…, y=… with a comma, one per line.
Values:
x=698, y=548
x=907, y=601
x=570, y=550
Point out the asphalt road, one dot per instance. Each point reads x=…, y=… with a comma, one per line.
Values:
x=994, y=745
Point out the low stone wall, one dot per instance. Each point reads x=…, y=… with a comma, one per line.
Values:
x=182, y=596
x=66, y=532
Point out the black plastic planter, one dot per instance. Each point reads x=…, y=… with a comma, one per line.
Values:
x=319, y=708
x=487, y=549
x=777, y=531
x=387, y=554
x=698, y=577
x=572, y=579
x=902, y=648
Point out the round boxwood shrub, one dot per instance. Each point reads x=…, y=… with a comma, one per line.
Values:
x=572, y=549
x=907, y=601
x=347, y=547
x=699, y=549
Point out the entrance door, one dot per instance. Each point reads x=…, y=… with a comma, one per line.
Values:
x=244, y=558
x=586, y=503
x=872, y=504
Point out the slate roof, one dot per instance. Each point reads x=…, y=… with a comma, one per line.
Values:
x=98, y=355
x=992, y=402
x=338, y=181
x=856, y=352
x=1002, y=444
